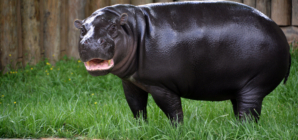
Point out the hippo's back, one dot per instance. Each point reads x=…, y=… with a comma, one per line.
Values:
x=182, y=15
x=211, y=50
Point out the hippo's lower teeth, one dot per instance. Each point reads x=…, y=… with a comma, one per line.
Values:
x=99, y=64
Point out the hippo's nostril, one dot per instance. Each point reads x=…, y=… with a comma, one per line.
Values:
x=86, y=42
x=100, y=41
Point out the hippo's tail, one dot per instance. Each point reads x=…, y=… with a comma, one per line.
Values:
x=287, y=74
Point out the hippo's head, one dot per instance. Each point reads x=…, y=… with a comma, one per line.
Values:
x=100, y=35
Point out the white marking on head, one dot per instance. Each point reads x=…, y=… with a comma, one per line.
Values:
x=131, y=79
x=91, y=19
x=89, y=34
x=89, y=22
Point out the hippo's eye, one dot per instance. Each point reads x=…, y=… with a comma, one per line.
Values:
x=113, y=30
x=83, y=31
x=113, y=27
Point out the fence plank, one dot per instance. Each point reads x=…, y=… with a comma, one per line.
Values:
x=41, y=30
x=64, y=28
x=113, y=2
x=295, y=12
x=190, y=0
x=163, y=0
x=93, y=5
x=51, y=29
x=30, y=31
x=9, y=35
x=291, y=33
x=1, y=38
x=20, y=44
x=240, y=1
x=141, y=2
x=76, y=11
x=281, y=12
x=264, y=6
x=251, y=3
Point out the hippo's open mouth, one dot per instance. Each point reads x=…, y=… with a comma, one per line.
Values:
x=99, y=64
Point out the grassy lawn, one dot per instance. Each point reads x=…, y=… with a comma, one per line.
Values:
x=65, y=101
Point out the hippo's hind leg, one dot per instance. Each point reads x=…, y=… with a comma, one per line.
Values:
x=248, y=102
x=136, y=99
x=235, y=106
x=248, y=108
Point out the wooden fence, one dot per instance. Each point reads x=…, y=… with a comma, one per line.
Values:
x=32, y=30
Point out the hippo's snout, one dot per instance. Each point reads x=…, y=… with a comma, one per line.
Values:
x=98, y=60
x=97, y=55
x=100, y=41
x=100, y=49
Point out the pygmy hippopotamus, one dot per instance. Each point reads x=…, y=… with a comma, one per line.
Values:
x=211, y=51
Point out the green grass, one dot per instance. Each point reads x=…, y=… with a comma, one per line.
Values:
x=67, y=102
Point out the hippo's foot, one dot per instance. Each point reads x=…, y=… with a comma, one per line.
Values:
x=247, y=110
x=136, y=99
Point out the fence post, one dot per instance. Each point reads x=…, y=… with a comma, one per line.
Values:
x=113, y=2
x=163, y=0
x=264, y=6
x=30, y=31
x=240, y=1
x=51, y=29
x=20, y=43
x=140, y=2
x=93, y=5
x=64, y=16
x=9, y=35
x=295, y=13
x=281, y=12
x=251, y=3
x=76, y=11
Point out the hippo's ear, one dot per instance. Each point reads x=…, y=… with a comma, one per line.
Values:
x=78, y=24
x=123, y=18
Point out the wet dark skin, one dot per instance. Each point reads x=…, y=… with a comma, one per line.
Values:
x=211, y=51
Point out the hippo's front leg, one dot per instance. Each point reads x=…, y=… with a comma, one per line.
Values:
x=136, y=99
x=169, y=103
